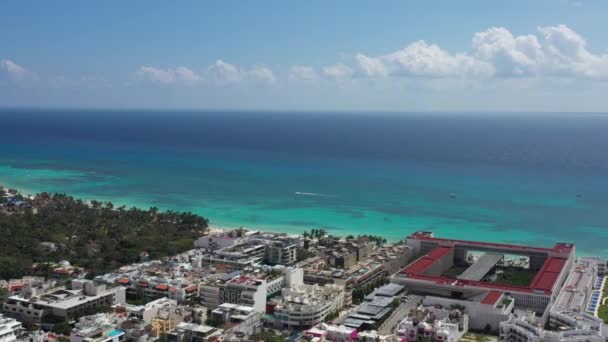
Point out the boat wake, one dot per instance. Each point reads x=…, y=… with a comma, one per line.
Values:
x=298, y=193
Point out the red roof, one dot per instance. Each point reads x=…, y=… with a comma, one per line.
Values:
x=548, y=274
x=543, y=281
x=492, y=297
x=161, y=287
x=439, y=252
x=420, y=265
x=123, y=281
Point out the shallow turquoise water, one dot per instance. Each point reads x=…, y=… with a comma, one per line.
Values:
x=278, y=190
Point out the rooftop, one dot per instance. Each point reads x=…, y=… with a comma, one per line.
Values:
x=544, y=280
x=428, y=236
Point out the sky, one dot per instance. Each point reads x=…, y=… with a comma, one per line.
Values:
x=307, y=55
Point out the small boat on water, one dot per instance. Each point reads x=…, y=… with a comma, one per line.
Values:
x=452, y=195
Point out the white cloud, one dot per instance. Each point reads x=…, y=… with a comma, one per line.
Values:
x=302, y=73
x=567, y=54
x=557, y=51
x=423, y=59
x=16, y=72
x=371, y=66
x=508, y=55
x=261, y=73
x=554, y=51
x=339, y=72
x=220, y=73
x=224, y=73
x=179, y=75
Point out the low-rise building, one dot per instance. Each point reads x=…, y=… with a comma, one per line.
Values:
x=304, y=306
x=281, y=252
x=375, y=308
x=332, y=332
x=526, y=327
x=240, y=320
x=213, y=242
x=577, y=297
x=250, y=289
x=434, y=324
x=10, y=329
x=191, y=332
x=98, y=328
x=63, y=303
x=148, y=311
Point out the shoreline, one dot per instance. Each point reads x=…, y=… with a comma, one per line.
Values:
x=212, y=228
x=455, y=232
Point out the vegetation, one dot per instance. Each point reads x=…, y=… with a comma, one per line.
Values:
x=602, y=313
x=267, y=336
x=62, y=328
x=331, y=316
x=458, y=307
x=314, y=233
x=97, y=237
x=516, y=276
x=139, y=301
x=303, y=254
x=379, y=240
x=214, y=322
x=477, y=337
x=454, y=271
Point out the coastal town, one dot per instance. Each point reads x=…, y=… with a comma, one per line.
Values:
x=249, y=285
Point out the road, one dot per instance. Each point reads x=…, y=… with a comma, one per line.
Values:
x=402, y=310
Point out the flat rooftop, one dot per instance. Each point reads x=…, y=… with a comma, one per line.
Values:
x=481, y=267
x=559, y=247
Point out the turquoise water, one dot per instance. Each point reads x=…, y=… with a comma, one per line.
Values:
x=498, y=197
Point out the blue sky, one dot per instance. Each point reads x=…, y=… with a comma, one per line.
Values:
x=312, y=55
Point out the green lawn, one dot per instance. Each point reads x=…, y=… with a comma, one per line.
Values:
x=602, y=312
x=454, y=271
x=516, y=276
x=477, y=337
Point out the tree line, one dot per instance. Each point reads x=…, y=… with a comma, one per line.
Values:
x=96, y=236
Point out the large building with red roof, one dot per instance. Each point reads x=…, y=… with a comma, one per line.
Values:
x=430, y=273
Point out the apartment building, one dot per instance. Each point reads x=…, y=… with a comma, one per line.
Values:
x=304, y=306
x=10, y=329
x=530, y=329
x=98, y=328
x=63, y=302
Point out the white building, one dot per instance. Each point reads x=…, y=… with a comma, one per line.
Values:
x=279, y=252
x=331, y=332
x=64, y=303
x=98, y=328
x=9, y=329
x=434, y=324
x=149, y=311
x=213, y=242
x=238, y=319
x=294, y=276
x=191, y=332
x=248, y=289
x=569, y=309
x=305, y=306
x=529, y=329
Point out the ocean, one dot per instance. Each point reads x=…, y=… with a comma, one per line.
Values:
x=524, y=178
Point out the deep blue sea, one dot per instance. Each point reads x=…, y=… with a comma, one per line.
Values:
x=514, y=177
